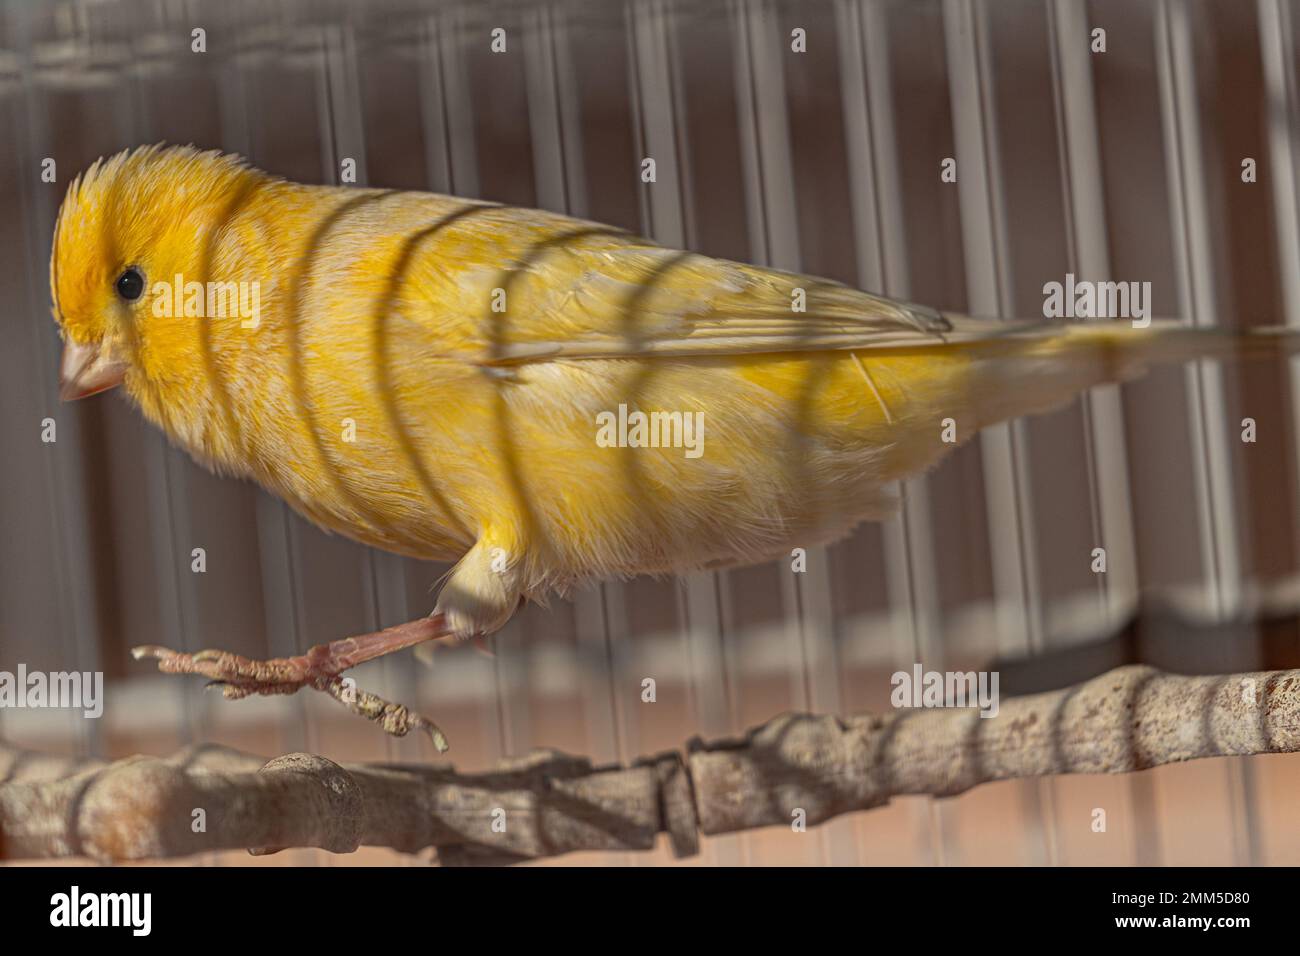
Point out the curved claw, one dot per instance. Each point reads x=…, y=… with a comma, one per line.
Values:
x=434, y=732
x=229, y=690
x=396, y=719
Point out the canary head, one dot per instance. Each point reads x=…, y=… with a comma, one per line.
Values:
x=127, y=227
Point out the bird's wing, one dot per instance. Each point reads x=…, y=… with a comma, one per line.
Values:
x=612, y=297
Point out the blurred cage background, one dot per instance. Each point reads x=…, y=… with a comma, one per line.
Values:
x=1123, y=165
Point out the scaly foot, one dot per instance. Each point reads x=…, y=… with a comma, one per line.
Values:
x=319, y=668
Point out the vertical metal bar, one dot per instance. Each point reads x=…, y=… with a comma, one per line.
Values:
x=1277, y=42
x=1194, y=263
x=1004, y=447
x=554, y=143
x=343, y=135
x=172, y=535
x=774, y=231
x=555, y=123
x=1194, y=266
x=573, y=169
x=510, y=661
x=281, y=597
x=1081, y=165
x=170, y=526
x=1080, y=154
x=451, y=162
x=444, y=101
x=609, y=637
x=879, y=238
x=988, y=278
x=79, y=612
x=655, y=121
x=508, y=716
x=278, y=546
x=665, y=206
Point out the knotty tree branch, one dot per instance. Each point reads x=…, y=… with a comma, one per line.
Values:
x=139, y=808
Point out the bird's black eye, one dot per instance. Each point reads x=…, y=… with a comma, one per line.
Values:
x=130, y=284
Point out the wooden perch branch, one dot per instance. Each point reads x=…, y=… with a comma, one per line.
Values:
x=1129, y=719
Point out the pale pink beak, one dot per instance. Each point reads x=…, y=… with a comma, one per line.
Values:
x=87, y=370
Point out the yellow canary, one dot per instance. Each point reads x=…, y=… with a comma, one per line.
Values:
x=544, y=400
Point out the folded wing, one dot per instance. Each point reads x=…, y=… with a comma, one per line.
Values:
x=613, y=296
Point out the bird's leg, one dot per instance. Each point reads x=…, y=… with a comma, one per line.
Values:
x=319, y=668
x=291, y=673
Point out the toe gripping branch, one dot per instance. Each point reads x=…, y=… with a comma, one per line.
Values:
x=320, y=668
